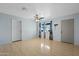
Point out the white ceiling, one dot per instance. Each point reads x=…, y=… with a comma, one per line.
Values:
x=43, y=9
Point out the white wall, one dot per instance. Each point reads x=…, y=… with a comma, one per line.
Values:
x=5, y=29
x=28, y=29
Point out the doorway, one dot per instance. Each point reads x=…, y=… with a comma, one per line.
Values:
x=45, y=30
x=67, y=31
x=48, y=30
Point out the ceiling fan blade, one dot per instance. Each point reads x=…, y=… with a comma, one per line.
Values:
x=41, y=18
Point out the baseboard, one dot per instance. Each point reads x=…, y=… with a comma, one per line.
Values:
x=16, y=40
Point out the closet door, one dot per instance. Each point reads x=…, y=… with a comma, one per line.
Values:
x=67, y=31
x=16, y=30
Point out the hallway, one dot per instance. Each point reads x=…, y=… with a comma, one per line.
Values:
x=39, y=47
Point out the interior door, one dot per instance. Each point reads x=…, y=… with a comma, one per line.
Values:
x=16, y=30
x=67, y=31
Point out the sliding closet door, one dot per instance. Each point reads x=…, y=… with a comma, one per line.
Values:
x=16, y=30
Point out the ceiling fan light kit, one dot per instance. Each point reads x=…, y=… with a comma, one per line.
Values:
x=37, y=18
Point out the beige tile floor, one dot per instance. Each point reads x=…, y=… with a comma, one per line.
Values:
x=39, y=47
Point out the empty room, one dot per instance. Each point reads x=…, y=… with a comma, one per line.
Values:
x=39, y=29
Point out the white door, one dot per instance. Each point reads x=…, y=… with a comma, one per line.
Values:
x=16, y=30
x=67, y=31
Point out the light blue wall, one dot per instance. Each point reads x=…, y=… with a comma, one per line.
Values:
x=57, y=29
x=5, y=28
x=28, y=29
x=76, y=30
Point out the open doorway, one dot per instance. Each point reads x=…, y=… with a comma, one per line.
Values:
x=45, y=30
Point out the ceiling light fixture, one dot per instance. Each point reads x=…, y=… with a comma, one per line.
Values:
x=38, y=18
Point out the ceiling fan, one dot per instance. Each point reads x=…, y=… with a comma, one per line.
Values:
x=38, y=18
